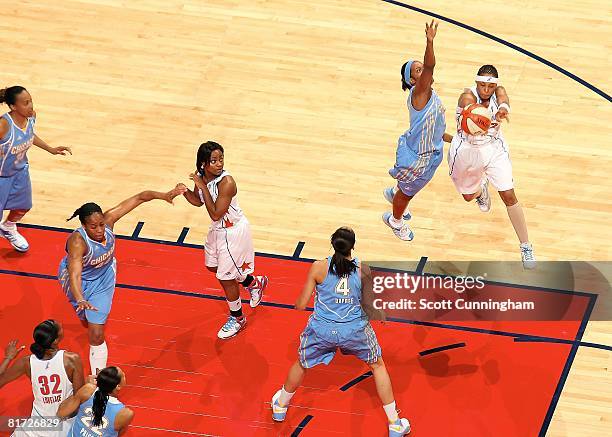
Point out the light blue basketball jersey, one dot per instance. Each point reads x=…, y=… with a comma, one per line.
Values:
x=338, y=299
x=83, y=427
x=14, y=146
x=427, y=126
x=99, y=258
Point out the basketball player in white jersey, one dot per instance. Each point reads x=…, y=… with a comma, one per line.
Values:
x=229, y=246
x=474, y=160
x=54, y=373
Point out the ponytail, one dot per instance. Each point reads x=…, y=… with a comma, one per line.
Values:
x=9, y=95
x=99, y=407
x=107, y=380
x=44, y=335
x=85, y=211
x=343, y=241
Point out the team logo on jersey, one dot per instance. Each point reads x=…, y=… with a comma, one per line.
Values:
x=227, y=223
x=245, y=266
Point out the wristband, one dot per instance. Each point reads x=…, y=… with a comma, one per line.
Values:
x=505, y=106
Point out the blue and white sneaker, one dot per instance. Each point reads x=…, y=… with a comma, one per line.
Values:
x=404, y=233
x=231, y=327
x=19, y=243
x=399, y=428
x=484, y=200
x=389, y=193
x=278, y=413
x=527, y=256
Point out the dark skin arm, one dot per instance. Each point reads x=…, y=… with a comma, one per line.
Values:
x=74, y=370
x=115, y=213
x=21, y=366
x=467, y=98
x=422, y=87
x=61, y=150
x=502, y=97
x=227, y=190
x=123, y=420
x=70, y=405
x=77, y=248
x=192, y=196
x=4, y=127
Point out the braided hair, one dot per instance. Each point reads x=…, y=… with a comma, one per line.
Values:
x=85, y=211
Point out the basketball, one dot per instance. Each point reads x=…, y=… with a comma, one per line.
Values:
x=475, y=119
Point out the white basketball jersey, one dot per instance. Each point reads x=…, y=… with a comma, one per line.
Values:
x=233, y=215
x=50, y=384
x=494, y=131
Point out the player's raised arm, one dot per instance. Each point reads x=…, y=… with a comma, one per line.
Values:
x=422, y=88
x=18, y=369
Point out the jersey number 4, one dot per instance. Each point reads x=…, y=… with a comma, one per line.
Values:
x=342, y=287
x=44, y=384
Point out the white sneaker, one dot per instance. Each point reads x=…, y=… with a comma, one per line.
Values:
x=388, y=193
x=256, y=289
x=529, y=259
x=19, y=243
x=278, y=413
x=231, y=327
x=484, y=200
x=404, y=233
x=399, y=428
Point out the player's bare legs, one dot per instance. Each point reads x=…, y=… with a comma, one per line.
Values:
x=517, y=218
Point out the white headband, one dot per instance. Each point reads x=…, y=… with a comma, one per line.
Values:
x=486, y=79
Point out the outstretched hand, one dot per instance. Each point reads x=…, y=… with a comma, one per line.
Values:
x=11, y=350
x=84, y=305
x=431, y=30
x=176, y=191
x=502, y=114
x=61, y=150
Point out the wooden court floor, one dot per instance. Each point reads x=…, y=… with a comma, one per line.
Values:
x=306, y=98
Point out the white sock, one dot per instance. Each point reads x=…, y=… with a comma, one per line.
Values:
x=391, y=412
x=396, y=223
x=98, y=355
x=235, y=305
x=285, y=397
x=9, y=225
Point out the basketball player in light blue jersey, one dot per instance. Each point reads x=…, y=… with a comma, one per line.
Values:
x=87, y=273
x=338, y=321
x=100, y=413
x=419, y=149
x=16, y=137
